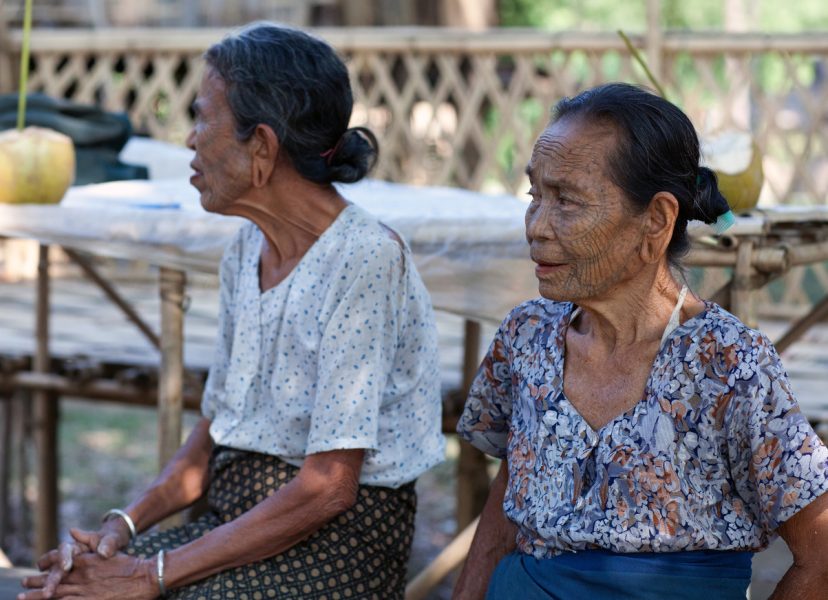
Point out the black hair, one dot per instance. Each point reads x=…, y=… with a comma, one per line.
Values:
x=297, y=85
x=657, y=150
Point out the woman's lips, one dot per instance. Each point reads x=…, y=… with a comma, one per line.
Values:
x=542, y=269
x=196, y=174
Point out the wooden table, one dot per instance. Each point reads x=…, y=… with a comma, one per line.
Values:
x=469, y=248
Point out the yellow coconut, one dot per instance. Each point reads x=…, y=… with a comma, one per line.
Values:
x=736, y=159
x=37, y=165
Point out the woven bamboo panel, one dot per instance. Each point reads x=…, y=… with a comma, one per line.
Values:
x=463, y=109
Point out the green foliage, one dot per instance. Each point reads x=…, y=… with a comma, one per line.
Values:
x=793, y=17
x=567, y=14
x=608, y=15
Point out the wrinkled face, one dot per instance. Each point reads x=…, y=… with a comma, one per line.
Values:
x=222, y=164
x=582, y=233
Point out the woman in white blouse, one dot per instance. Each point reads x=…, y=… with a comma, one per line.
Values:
x=322, y=406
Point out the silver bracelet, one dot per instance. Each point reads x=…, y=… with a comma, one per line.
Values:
x=160, y=573
x=116, y=512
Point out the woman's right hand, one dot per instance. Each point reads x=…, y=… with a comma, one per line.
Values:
x=111, y=537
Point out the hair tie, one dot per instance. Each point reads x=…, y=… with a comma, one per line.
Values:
x=329, y=153
x=724, y=222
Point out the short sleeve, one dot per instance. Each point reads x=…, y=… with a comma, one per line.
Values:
x=779, y=463
x=214, y=388
x=487, y=413
x=357, y=351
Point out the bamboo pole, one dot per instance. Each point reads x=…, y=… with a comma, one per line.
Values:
x=763, y=259
x=23, y=430
x=46, y=416
x=654, y=39
x=740, y=292
x=6, y=67
x=97, y=389
x=5, y=462
x=429, y=39
x=24, y=65
x=816, y=315
x=171, y=377
x=116, y=298
x=447, y=561
x=771, y=259
x=472, y=474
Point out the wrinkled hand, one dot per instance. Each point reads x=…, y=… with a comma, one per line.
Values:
x=111, y=537
x=57, y=563
x=120, y=577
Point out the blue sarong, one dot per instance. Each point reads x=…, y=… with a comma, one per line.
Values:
x=604, y=575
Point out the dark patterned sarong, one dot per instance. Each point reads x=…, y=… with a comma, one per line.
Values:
x=362, y=553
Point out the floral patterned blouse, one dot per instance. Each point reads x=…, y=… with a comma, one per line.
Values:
x=715, y=456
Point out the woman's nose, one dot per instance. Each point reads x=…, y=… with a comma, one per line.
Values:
x=539, y=222
x=190, y=141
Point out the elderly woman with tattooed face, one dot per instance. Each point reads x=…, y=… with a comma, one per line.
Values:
x=322, y=406
x=650, y=440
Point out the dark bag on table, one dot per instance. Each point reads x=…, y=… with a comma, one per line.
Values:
x=99, y=136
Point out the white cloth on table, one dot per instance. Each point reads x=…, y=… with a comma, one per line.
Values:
x=342, y=354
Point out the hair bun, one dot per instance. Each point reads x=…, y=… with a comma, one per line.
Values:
x=354, y=155
x=709, y=203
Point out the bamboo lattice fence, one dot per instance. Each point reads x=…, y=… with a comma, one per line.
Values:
x=462, y=109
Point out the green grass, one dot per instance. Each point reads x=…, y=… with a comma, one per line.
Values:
x=108, y=454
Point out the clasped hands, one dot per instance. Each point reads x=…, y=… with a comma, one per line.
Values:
x=91, y=566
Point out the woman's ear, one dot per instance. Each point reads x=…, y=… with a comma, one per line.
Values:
x=264, y=148
x=660, y=219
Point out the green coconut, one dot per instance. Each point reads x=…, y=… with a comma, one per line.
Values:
x=736, y=159
x=37, y=165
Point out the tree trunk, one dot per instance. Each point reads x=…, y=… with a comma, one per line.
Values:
x=739, y=16
x=469, y=14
